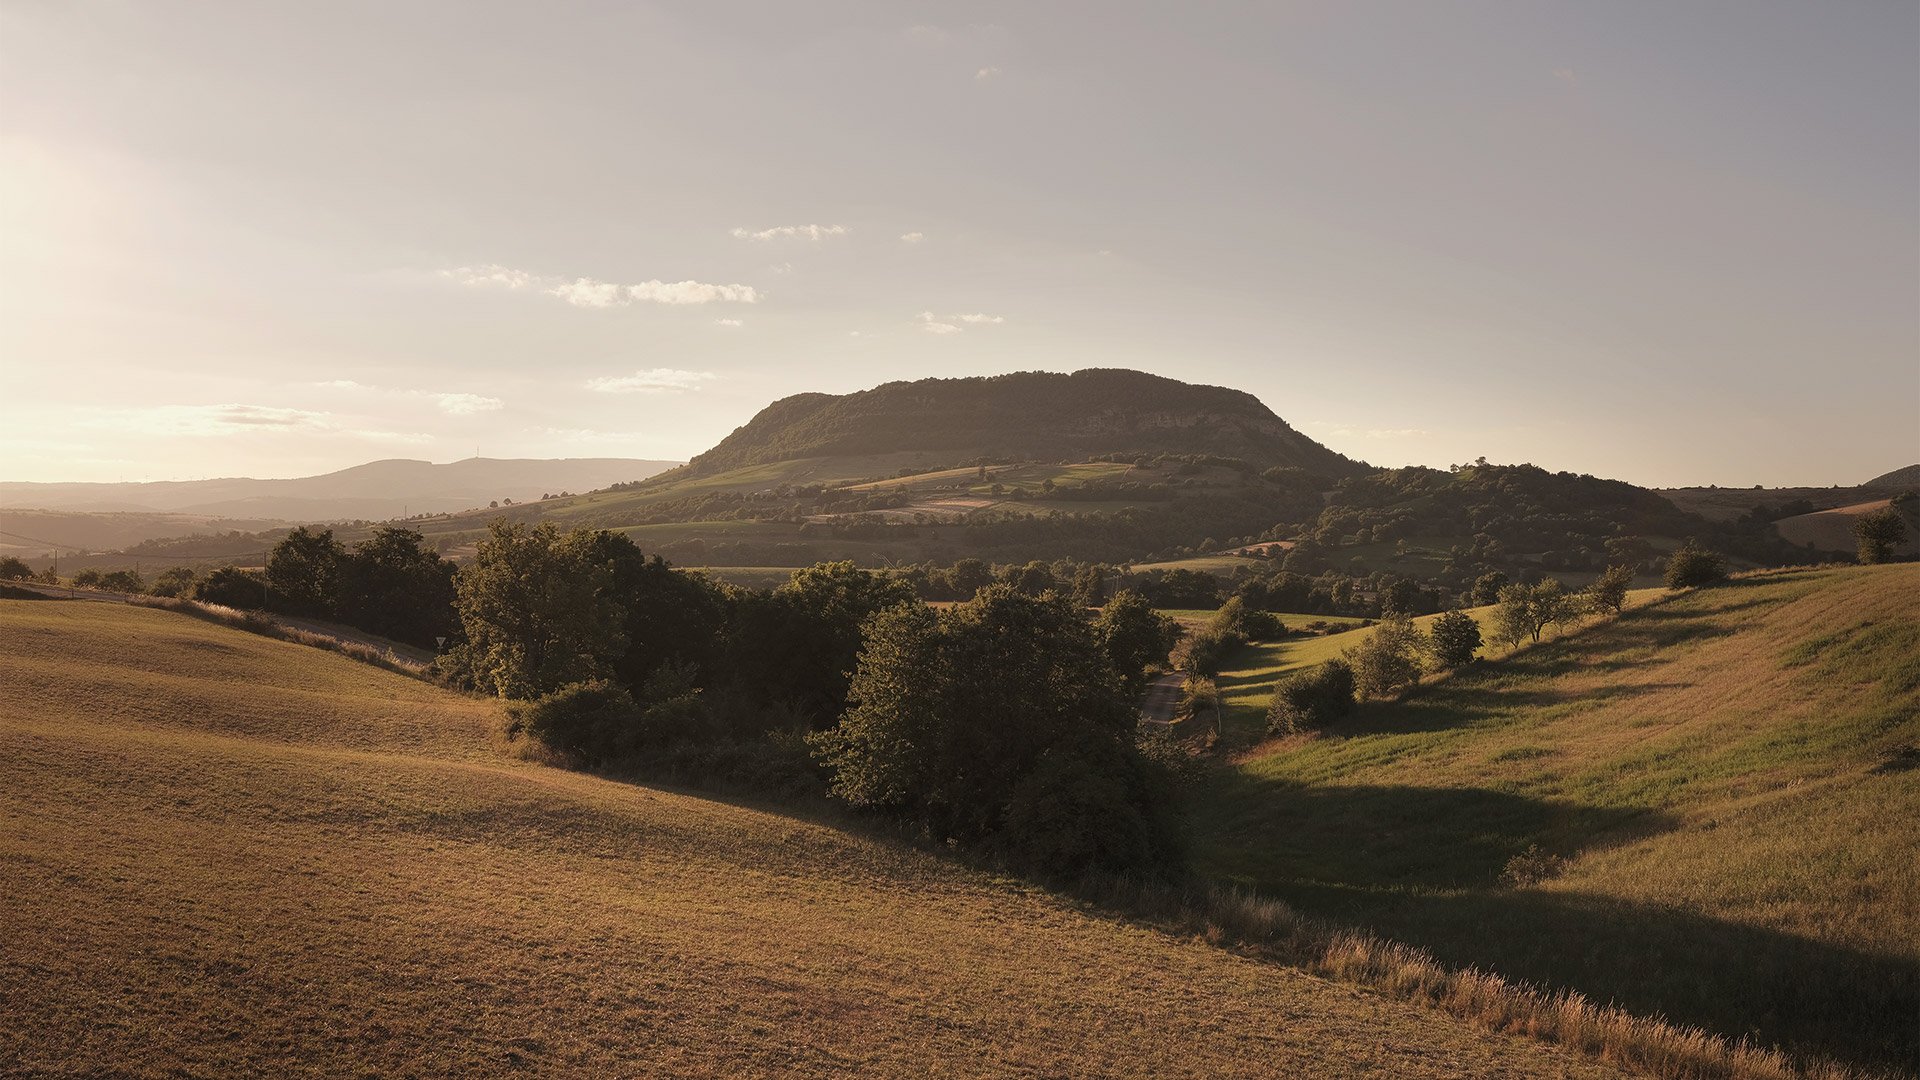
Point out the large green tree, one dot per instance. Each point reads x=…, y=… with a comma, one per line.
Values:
x=395, y=585
x=303, y=573
x=537, y=611
x=800, y=644
x=1136, y=638
x=1000, y=721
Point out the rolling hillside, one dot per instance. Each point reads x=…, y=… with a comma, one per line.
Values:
x=227, y=855
x=1832, y=530
x=1729, y=776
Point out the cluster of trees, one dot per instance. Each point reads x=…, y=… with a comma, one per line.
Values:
x=392, y=584
x=1005, y=722
x=1398, y=651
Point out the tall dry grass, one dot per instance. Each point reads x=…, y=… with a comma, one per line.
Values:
x=1234, y=918
x=255, y=622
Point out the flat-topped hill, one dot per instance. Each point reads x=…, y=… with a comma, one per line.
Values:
x=1028, y=416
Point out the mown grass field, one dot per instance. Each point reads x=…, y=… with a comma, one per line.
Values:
x=1733, y=776
x=229, y=855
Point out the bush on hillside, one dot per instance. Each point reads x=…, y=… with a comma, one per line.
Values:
x=593, y=720
x=1312, y=699
x=12, y=569
x=1388, y=660
x=230, y=586
x=174, y=581
x=126, y=581
x=1693, y=566
x=1453, y=640
x=1608, y=593
x=1879, y=533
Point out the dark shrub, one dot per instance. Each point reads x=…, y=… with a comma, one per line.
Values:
x=230, y=586
x=1312, y=699
x=594, y=720
x=1453, y=640
x=1693, y=565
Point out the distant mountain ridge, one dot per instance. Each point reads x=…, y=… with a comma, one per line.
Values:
x=1033, y=415
x=374, y=491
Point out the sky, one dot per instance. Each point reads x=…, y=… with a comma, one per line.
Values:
x=1671, y=243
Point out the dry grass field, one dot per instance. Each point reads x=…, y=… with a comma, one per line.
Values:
x=1724, y=788
x=229, y=855
x=1832, y=530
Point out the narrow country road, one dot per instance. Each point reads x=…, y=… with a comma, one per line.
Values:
x=1163, y=699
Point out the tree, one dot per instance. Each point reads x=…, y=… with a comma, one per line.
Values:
x=1879, y=533
x=1527, y=610
x=303, y=573
x=1693, y=565
x=1388, y=659
x=395, y=585
x=1453, y=640
x=807, y=647
x=88, y=578
x=1402, y=597
x=122, y=581
x=174, y=581
x=1136, y=638
x=1312, y=699
x=230, y=586
x=1001, y=722
x=536, y=611
x=1608, y=593
x=1486, y=588
x=12, y=569
x=1090, y=586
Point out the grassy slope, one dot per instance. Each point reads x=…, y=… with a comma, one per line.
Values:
x=1247, y=687
x=1725, y=770
x=230, y=855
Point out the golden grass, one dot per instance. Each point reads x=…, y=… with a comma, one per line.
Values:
x=230, y=855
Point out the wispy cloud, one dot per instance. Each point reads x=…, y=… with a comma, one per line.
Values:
x=913, y=237
x=238, y=419
x=467, y=404
x=931, y=324
x=728, y=322
x=951, y=324
x=651, y=381
x=452, y=402
x=986, y=73
x=590, y=293
x=491, y=274
x=789, y=232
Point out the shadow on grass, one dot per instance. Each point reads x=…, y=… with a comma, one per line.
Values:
x=1423, y=866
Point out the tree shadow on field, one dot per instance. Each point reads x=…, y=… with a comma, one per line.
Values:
x=1423, y=866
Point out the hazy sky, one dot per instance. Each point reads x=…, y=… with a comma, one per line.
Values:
x=1665, y=242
